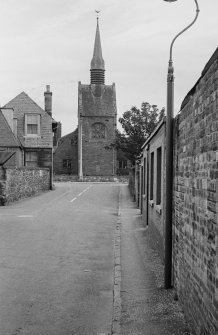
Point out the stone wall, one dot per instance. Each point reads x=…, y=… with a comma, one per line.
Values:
x=16, y=184
x=195, y=229
x=96, y=159
x=97, y=107
x=65, y=159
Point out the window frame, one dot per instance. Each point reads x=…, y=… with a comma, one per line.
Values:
x=68, y=164
x=28, y=160
x=151, y=193
x=38, y=125
x=159, y=176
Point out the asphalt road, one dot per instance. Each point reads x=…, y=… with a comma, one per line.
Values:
x=56, y=261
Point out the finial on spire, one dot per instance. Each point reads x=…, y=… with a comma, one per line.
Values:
x=97, y=13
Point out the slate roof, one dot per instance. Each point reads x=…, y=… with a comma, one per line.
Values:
x=7, y=137
x=23, y=103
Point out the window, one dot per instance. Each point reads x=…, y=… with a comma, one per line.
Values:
x=159, y=162
x=98, y=130
x=152, y=177
x=123, y=164
x=31, y=158
x=32, y=125
x=67, y=163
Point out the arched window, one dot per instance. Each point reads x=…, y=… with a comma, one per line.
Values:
x=98, y=130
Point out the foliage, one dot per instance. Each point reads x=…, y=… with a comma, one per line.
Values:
x=137, y=124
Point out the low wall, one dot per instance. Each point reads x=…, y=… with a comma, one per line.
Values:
x=16, y=184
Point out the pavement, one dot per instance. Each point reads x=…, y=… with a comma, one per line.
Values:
x=146, y=308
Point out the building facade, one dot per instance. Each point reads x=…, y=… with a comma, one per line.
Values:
x=66, y=154
x=151, y=180
x=33, y=128
x=97, y=120
x=195, y=199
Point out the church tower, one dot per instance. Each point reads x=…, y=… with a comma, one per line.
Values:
x=97, y=118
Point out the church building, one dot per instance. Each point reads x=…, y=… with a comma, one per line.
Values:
x=97, y=120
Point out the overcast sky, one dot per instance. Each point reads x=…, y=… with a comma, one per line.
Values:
x=51, y=42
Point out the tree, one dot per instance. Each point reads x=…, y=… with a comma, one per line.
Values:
x=137, y=124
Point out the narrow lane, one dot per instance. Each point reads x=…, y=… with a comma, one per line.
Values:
x=56, y=261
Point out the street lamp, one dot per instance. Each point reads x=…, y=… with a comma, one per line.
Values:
x=169, y=158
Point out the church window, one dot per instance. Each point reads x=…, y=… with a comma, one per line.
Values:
x=98, y=130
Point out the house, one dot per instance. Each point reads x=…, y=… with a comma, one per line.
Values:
x=32, y=126
x=151, y=180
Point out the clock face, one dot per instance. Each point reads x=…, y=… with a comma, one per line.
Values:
x=98, y=130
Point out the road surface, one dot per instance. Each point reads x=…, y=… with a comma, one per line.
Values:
x=56, y=261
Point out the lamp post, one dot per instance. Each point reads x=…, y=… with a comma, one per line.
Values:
x=169, y=159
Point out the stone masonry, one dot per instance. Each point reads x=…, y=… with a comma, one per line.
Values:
x=97, y=106
x=97, y=115
x=195, y=200
x=195, y=229
x=65, y=159
x=16, y=184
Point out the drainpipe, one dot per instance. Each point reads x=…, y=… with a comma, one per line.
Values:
x=80, y=148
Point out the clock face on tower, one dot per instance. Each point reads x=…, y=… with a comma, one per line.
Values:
x=98, y=130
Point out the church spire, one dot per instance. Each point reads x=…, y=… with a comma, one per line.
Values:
x=97, y=63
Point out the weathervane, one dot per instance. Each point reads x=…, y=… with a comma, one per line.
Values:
x=97, y=13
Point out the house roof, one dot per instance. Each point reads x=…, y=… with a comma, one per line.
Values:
x=5, y=156
x=22, y=102
x=7, y=137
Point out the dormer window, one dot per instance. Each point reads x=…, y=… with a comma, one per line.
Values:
x=32, y=125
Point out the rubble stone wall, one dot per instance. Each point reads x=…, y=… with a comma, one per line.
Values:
x=16, y=184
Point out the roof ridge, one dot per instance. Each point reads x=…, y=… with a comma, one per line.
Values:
x=27, y=96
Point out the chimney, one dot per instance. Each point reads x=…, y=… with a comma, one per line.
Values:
x=48, y=100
